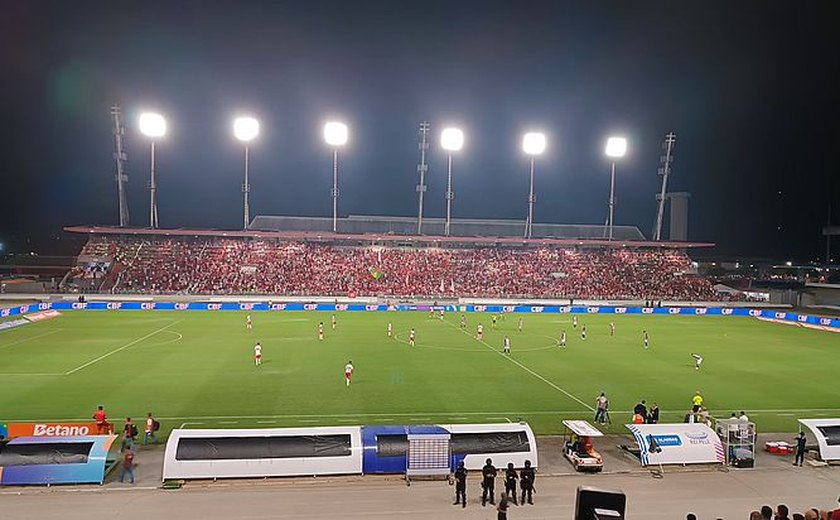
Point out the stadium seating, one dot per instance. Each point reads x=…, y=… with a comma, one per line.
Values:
x=256, y=266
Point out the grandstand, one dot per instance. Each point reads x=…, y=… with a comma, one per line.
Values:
x=377, y=257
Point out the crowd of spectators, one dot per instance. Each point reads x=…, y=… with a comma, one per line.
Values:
x=256, y=266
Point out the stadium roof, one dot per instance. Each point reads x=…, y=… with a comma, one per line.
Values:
x=367, y=238
x=407, y=226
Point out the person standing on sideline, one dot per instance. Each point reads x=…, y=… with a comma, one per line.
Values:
x=488, y=483
x=129, y=434
x=149, y=429
x=103, y=427
x=502, y=508
x=526, y=482
x=461, y=485
x=127, y=466
x=653, y=414
x=696, y=402
x=348, y=372
x=800, y=449
x=510, y=482
x=601, y=409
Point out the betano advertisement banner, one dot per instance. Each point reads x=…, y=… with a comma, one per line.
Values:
x=14, y=430
x=677, y=444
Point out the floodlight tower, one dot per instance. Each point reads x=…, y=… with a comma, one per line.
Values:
x=422, y=168
x=120, y=158
x=533, y=144
x=153, y=126
x=451, y=140
x=335, y=135
x=615, y=149
x=246, y=129
x=665, y=171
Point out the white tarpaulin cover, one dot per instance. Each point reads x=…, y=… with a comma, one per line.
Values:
x=827, y=432
x=682, y=443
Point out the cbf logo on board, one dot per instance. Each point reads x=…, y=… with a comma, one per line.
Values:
x=214, y=306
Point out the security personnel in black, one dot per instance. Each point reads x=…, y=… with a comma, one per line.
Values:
x=488, y=482
x=526, y=482
x=510, y=482
x=461, y=485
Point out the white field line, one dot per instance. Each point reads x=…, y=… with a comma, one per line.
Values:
x=444, y=415
x=23, y=340
x=523, y=367
x=119, y=349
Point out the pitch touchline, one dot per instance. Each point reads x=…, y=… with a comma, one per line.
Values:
x=132, y=343
x=523, y=367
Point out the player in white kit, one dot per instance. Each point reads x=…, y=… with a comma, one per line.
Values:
x=583, y=332
x=574, y=322
x=411, y=337
x=390, y=330
x=646, y=338
x=507, y=345
x=563, y=339
x=348, y=372
x=479, y=332
x=698, y=360
x=248, y=324
x=321, y=331
x=441, y=314
x=257, y=354
x=521, y=324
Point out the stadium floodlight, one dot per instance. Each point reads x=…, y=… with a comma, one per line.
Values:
x=152, y=125
x=246, y=129
x=335, y=134
x=533, y=144
x=451, y=140
x=615, y=149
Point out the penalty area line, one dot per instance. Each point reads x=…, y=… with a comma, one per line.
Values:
x=120, y=349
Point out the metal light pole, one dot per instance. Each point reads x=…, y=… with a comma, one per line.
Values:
x=154, y=126
x=246, y=129
x=533, y=144
x=421, y=169
x=335, y=134
x=451, y=140
x=615, y=149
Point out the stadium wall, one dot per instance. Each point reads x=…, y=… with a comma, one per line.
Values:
x=818, y=322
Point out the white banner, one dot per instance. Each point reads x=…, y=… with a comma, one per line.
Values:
x=682, y=443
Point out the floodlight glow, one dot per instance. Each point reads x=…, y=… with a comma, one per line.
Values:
x=533, y=143
x=452, y=139
x=335, y=134
x=246, y=128
x=152, y=125
x=616, y=147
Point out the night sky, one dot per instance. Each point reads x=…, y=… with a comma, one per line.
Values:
x=751, y=89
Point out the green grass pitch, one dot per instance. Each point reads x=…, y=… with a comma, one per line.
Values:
x=197, y=368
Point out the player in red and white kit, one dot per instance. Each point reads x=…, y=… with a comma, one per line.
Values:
x=257, y=354
x=411, y=337
x=321, y=331
x=479, y=332
x=248, y=324
x=348, y=372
